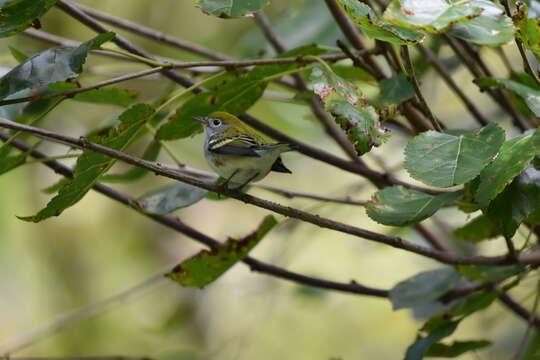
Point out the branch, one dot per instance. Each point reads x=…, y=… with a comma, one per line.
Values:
x=159, y=169
x=354, y=167
x=519, y=310
x=71, y=93
x=499, y=96
x=315, y=104
x=78, y=315
x=526, y=62
x=300, y=194
x=73, y=10
x=176, y=224
x=412, y=78
x=444, y=73
x=153, y=34
x=349, y=29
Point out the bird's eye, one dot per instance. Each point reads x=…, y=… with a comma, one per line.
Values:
x=216, y=122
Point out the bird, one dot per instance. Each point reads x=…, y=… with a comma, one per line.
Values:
x=237, y=153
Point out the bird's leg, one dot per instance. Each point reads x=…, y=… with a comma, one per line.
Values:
x=248, y=181
x=225, y=184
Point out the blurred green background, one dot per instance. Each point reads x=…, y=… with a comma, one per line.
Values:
x=99, y=248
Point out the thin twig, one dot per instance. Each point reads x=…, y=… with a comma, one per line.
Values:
x=519, y=310
x=352, y=34
x=530, y=323
x=83, y=313
x=445, y=74
x=412, y=78
x=499, y=96
x=315, y=104
x=510, y=246
x=153, y=34
x=526, y=63
x=176, y=224
x=356, y=167
x=71, y=93
x=159, y=169
x=301, y=194
x=73, y=10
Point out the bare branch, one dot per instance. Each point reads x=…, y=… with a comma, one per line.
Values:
x=160, y=169
x=70, y=93
x=176, y=224
x=443, y=72
x=153, y=34
x=498, y=95
x=315, y=104
x=414, y=81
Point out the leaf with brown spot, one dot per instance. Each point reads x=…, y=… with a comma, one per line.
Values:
x=514, y=156
x=206, y=266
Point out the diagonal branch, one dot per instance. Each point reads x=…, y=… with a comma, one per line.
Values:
x=315, y=104
x=445, y=74
x=153, y=34
x=176, y=224
x=159, y=169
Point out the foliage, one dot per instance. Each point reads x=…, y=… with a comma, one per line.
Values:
x=366, y=104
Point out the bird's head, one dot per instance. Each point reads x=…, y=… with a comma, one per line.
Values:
x=220, y=121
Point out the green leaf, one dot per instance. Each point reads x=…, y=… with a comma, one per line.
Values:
x=434, y=16
x=206, y=266
x=110, y=96
x=529, y=29
x=172, y=197
x=443, y=160
x=399, y=206
x=368, y=21
x=485, y=273
x=532, y=350
x=423, y=288
x=467, y=204
x=231, y=93
x=91, y=165
x=518, y=200
x=478, y=229
x=17, y=55
x=231, y=8
x=491, y=28
x=395, y=90
x=18, y=15
x=151, y=153
x=475, y=302
x=352, y=113
x=49, y=66
x=514, y=156
x=8, y=163
x=418, y=350
x=455, y=349
x=530, y=95
x=56, y=186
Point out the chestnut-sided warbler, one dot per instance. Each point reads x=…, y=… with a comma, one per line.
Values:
x=236, y=152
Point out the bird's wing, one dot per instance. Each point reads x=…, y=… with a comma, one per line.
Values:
x=241, y=145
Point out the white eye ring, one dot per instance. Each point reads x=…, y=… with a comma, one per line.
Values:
x=216, y=122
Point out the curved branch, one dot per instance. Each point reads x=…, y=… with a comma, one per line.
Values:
x=159, y=169
x=176, y=224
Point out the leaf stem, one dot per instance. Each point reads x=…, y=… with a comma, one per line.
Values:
x=412, y=78
x=166, y=146
x=137, y=57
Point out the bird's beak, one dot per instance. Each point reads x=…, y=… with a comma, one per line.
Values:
x=201, y=119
